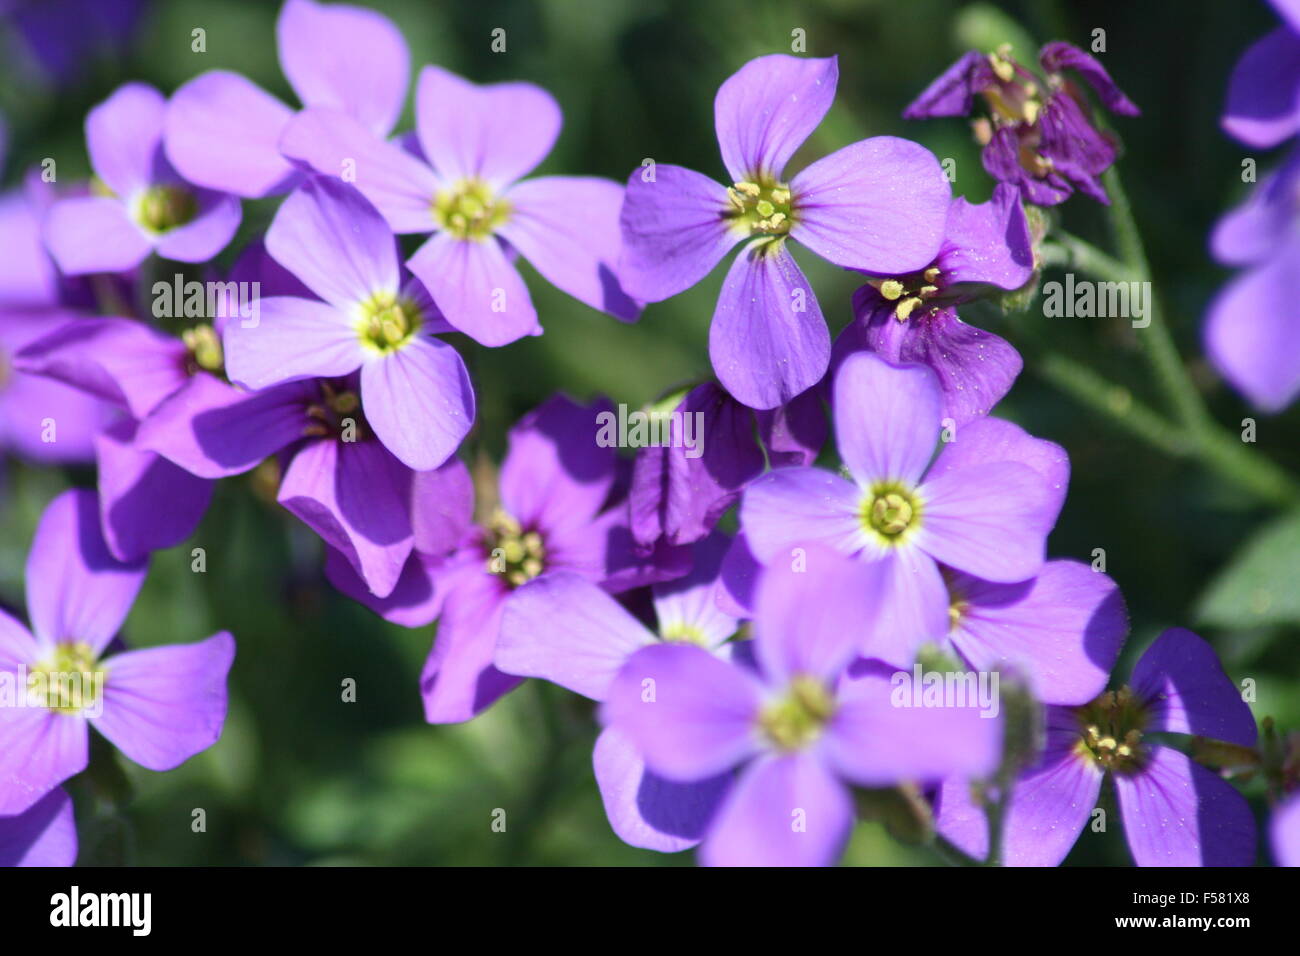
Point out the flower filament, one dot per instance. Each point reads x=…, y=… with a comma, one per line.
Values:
x=388, y=321
x=890, y=512
x=68, y=682
x=760, y=208
x=797, y=718
x=470, y=210
x=517, y=554
x=908, y=292
x=1111, y=731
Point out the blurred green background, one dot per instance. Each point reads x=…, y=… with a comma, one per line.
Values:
x=301, y=778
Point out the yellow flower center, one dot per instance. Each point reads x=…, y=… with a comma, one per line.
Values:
x=891, y=512
x=908, y=292
x=796, y=719
x=760, y=209
x=388, y=321
x=470, y=210
x=161, y=208
x=1111, y=731
x=69, y=681
x=516, y=554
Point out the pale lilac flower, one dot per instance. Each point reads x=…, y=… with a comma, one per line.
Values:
x=466, y=186
x=877, y=205
x=804, y=728
x=979, y=508
x=1285, y=829
x=45, y=834
x=415, y=388
x=147, y=206
x=223, y=130
x=1175, y=812
x=159, y=706
x=563, y=628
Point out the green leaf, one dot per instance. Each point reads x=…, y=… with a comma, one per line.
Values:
x=1258, y=587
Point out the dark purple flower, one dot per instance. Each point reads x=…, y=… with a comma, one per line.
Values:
x=983, y=507
x=1252, y=323
x=417, y=393
x=913, y=318
x=223, y=130
x=1264, y=93
x=1037, y=137
x=877, y=205
x=159, y=706
x=1175, y=812
x=804, y=727
x=554, y=513
x=466, y=187
x=144, y=205
x=65, y=37
x=563, y=628
x=43, y=835
x=679, y=493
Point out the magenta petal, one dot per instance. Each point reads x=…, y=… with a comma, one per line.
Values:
x=207, y=234
x=987, y=520
x=1063, y=630
x=766, y=109
x=39, y=749
x=223, y=132
x=647, y=811
x=215, y=430
x=419, y=401
x=356, y=496
x=810, y=616
x=459, y=680
x=415, y=600
x=790, y=507
x=330, y=236
x=442, y=506
x=691, y=715
x=988, y=243
x=563, y=628
x=163, y=705
x=784, y=810
x=123, y=136
x=1185, y=690
x=953, y=92
x=345, y=58
x=94, y=234
x=496, y=133
x=335, y=145
x=887, y=419
x=132, y=482
x=119, y=360
x=876, y=741
x=768, y=340
x=292, y=339
x=1249, y=325
x=1057, y=56
x=738, y=579
x=674, y=231
x=555, y=475
x=1177, y=813
x=76, y=590
x=567, y=227
x=477, y=288
x=878, y=205
x=44, y=835
x=1263, y=106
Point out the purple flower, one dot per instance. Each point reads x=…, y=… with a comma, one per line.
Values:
x=65, y=37
x=679, y=493
x=417, y=393
x=1175, y=812
x=803, y=728
x=1264, y=93
x=913, y=318
x=223, y=131
x=159, y=706
x=43, y=835
x=984, y=507
x=144, y=205
x=43, y=420
x=563, y=628
x=877, y=205
x=1253, y=321
x=554, y=513
x=1037, y=138
x=464, y=186
x=1286, y=833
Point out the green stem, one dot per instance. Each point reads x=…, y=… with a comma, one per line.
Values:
x=951, y=853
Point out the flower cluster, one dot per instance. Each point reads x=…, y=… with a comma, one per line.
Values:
x=769, y=630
